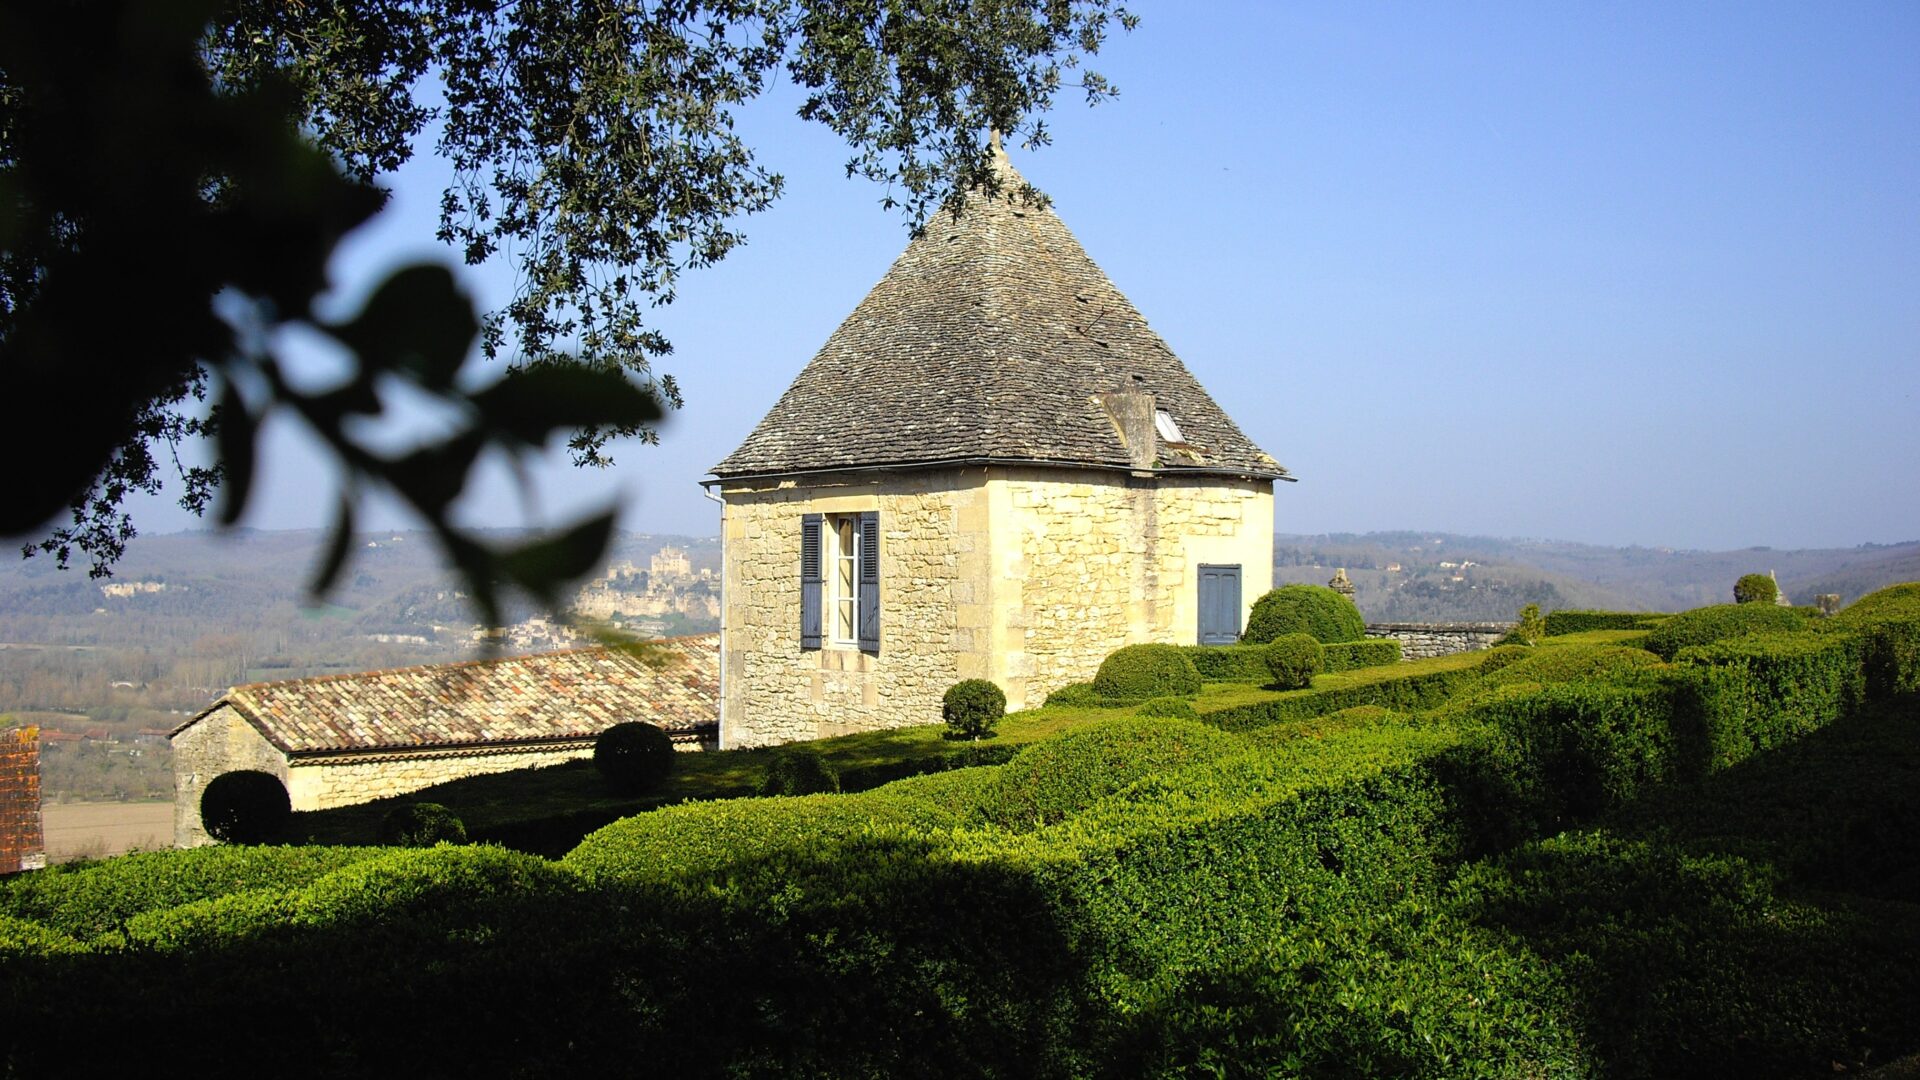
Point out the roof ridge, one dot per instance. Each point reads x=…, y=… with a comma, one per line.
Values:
x=449, y=665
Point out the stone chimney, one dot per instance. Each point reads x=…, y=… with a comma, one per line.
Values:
x=1132, y=410
x=1342, y=585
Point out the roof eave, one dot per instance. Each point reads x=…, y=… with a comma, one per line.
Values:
x=1234, y=472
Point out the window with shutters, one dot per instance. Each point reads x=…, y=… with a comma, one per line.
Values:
x=840, y=581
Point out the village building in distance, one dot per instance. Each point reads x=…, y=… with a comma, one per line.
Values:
x=993, y=469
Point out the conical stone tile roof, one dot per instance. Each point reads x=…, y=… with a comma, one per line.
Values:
x=990, y=339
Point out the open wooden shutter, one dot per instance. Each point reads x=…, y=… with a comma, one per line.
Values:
x=870, y=581
x=813, y=580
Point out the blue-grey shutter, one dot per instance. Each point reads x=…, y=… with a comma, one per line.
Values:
x=1219, y=604
x=813, y=580
x=870, y=581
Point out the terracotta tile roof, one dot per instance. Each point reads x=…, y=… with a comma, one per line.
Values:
x=560, y=695
x=990, y=338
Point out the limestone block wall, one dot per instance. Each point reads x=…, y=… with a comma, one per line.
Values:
x=320, y=783
x=1091, y=561
x=1027, y=576
x=1421, y=640
x=935, y=617
x=219, y=742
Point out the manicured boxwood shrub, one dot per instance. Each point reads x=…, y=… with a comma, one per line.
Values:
x=245, y=807
x=799, y=771
x=972, y=707
x=1567, y=663
x=1888, y=622
x=1178, y=708
x=1051, y=780
x=1573, y=621
x=1501, y=656
x=1304, y=609
x=1228, y=663
x=1353, y=655
x=88, y=900
x=634, y=756
x=1292, y=661
x=1138, y=672
x=1074, y=695
x=1898, y=600
x=1423, y=688
x=1767, y=689
x=422, y=824
x=1755, y=589
x=1702, y=626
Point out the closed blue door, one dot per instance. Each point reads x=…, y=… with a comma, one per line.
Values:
x=1219, y=604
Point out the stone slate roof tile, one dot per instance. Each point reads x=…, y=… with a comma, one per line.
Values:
x=991, y=337
x=574, y=694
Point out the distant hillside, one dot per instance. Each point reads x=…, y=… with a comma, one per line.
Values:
x=1417, y=576
x=187, y=615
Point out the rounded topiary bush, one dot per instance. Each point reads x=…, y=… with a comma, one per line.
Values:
x=1293, y=660
x=1177, y=708
x=422, y=824
x=1755, y=589
x=245, y=807
x=1304, y=609
x=1703, y=626
x=799, y=771
x=633, y=756
x=1139, y=672
x=972, y=707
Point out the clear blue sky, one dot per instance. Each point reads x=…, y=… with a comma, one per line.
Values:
x=1615, y=273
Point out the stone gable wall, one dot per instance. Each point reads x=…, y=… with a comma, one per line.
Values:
x=220, y=742
x=935, y=621
x=347, y=780
x=1027, y=576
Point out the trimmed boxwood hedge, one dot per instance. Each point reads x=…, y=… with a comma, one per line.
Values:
x=1135, y=673
x=1573, y=621
x=1709, y=624
x=1353, y=655
x=1247, y=663
x=1766, y=689
x=1304, y=609
x=1051, y=780
x=1566, y=663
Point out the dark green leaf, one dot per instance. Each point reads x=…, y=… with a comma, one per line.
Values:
x=532, y=404
x=418, y=323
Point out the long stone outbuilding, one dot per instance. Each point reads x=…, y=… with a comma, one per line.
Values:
x=993, y=469
x=336, y=740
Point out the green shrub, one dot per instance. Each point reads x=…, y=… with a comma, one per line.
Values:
x=1567, y=663
x=972, y=707
x=421, y=824
x=1572, y=621
x=1501, y=656
x=1293, y=660
x=88, y=900
x=1353, y=655
x=1304, y=609
x=20, y=938
x=1696, y=963
x=1074, y=695
x=1178, y=708
x=1896, y=600
x=1138, y=672
x=245, y=807
x=634, y=756
x=1755, y=589
x=1530, y=627
x=799, y=771
x=1767, y=689
x=1705, y=625
x=1228, y=663
x=693, y=841
x=1538, y=759
x=1409, y=691
x=1051, y=780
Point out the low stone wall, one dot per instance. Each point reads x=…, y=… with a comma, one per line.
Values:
x=1421, y=640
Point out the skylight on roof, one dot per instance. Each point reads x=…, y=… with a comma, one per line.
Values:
x=1169, y=431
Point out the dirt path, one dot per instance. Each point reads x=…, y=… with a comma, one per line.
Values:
x=95, y=830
